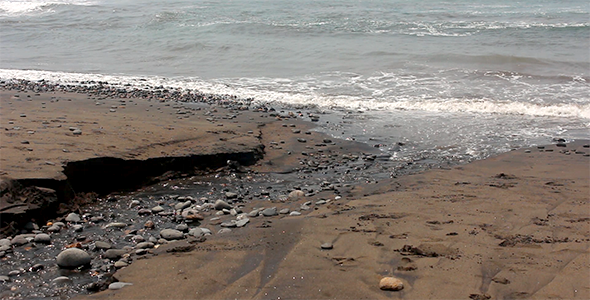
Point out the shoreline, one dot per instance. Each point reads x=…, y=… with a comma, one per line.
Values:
x=465, y=218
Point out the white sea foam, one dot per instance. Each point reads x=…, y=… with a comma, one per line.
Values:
x=14, y=8
x=269, y=91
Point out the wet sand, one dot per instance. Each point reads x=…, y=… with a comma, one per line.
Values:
x=512, y=226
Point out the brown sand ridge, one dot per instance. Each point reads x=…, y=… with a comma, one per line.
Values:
x=513, y=226
x=54, y=145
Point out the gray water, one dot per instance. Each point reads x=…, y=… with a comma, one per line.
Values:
x=461, y=79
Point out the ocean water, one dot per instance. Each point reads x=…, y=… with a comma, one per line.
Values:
x=456, y=79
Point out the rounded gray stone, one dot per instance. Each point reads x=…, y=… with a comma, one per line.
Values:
x=42, y=238
x=144, y=245
x=220, y=204
x=102, y=245
x=73, y=217
x=171, y=234
x=73, y=258
x=114, y=253
x=269, y=212
x=157, y=209
x=61, y=280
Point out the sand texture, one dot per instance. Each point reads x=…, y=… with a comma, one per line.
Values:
x=513, y=226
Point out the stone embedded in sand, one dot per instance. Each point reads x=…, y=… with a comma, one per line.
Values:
x=391, y=284
x=73, y=258
x=220, y=204
x=61, y=280
x=118, y=285
x=296, y=194
x=327, y=246
x=171, y=234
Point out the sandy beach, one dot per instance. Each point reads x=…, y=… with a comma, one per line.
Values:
x=513, y=226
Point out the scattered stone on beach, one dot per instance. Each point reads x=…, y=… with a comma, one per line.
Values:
x=296, y=194
x=4, y=278
x=157, y=209
x=242, y=222
x=295, y=213
x=182, y=205
x=327, y=246
x=144, y=245
x=391, y=284
x=149, y=224
x=114, y=253
x=269, y=212
x=171, y=234
x=120, y=264
x=220, y=204
x=73, y=258
x=118, y=285
x=231, y=195
x=61, y=280
x=301, y=140
x=102, y=245
x=224, y=230
x=116, y=225
x=19, y=240
x=42, y=238
x=284, y=211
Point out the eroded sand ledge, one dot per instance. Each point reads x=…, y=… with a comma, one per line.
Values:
x=58, y=146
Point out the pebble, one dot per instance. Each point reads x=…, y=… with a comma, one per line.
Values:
x=73, y=217
x=171, y=234
x=182, y=227
x=149, y=225
x=19, y=240
x=42, y=238
x=120, y=264
x=220, y=204
x=102, y=245
x=197, y=232
x=327, y=246
x=144, y=245
x=295, y=213
x=114, y=253
x=78, y=228
x=183, y=205
x=242, y=222
x=231, y=195
x=301, y=140
x=37, y=267
x=296, y=194
x=157, y=209
x=116, y=225
x=284, y=211
x=73, y=258
x=4, y=278
x=118, y=285
x=140, y=251
x=269, y=212
x=134, y=203
x=391, y=284
x=61, y=280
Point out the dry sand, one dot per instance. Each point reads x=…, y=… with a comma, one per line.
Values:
x=512, y=226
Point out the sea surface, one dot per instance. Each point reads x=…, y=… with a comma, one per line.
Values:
x=426, y=80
